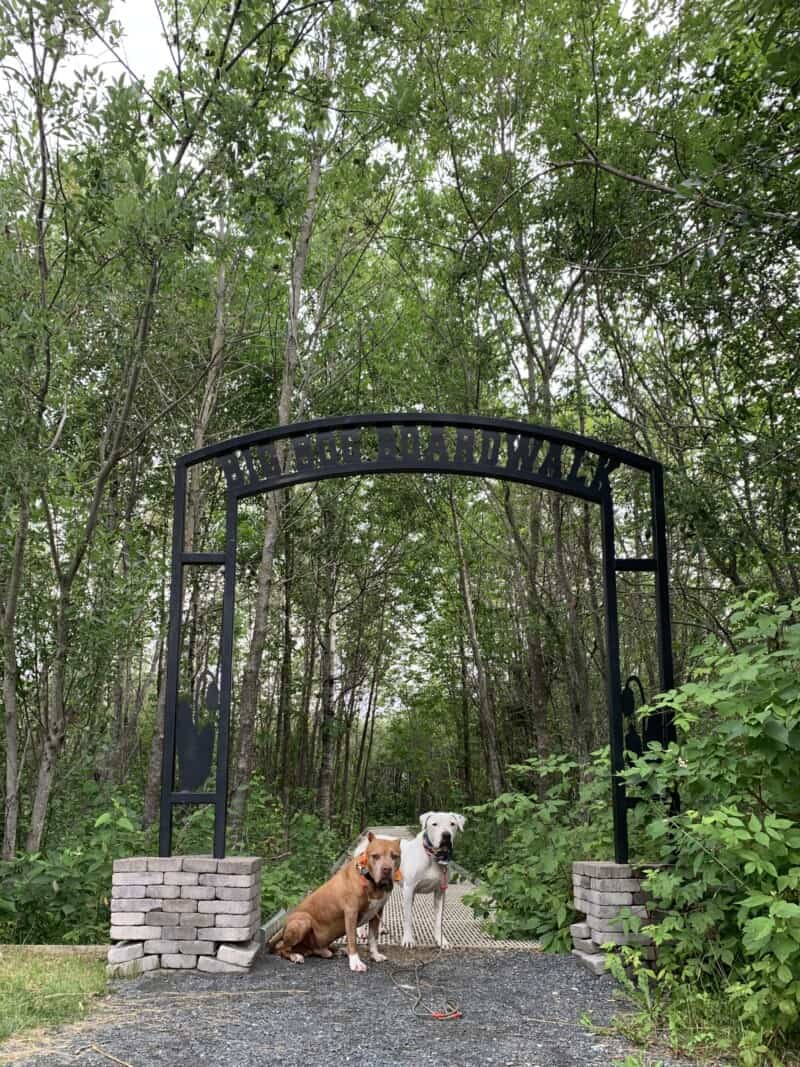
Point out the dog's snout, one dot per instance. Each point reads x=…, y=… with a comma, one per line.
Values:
x=446, y=835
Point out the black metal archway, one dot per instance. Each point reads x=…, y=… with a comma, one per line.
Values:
x=390, y=443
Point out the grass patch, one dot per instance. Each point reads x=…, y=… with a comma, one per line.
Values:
x=40, y=990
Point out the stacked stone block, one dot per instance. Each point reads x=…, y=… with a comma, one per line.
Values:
x=184, y=913
x=605, y=892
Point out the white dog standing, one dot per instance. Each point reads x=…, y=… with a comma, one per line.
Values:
x=423, y=869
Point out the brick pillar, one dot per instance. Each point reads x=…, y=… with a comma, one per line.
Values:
x=185, y=912
x=603, y=892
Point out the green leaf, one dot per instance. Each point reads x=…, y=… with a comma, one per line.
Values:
x=757, y=933
x=785, y=909
x=784, y=975
x=775, y=729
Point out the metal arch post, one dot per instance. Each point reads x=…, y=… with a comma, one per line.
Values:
x=173, y=653
x=663, y=621
x=619, y=805
x=226, y=682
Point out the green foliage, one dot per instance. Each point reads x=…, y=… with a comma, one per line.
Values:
x=61, y=896
x=527, y=886
x=308, y=864
x=731, y=922
x=695, y=1020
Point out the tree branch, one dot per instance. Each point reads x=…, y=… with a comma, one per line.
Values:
x=670, y=190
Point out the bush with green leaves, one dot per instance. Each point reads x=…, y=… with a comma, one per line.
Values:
x=527, y=885
x=306, y=863
x=61, y=896
x=731, y=897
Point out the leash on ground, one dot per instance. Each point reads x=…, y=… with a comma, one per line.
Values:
x=102, y=1052
x=448, y=1009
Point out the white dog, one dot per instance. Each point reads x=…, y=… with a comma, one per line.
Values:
x=423, y=869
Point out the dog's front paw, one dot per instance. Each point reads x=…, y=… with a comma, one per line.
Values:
x=295, y=957
x=444, y=943
x=356, y=963
x=408, y=942
x=377, y=957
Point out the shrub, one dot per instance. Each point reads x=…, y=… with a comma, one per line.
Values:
x=313, y=850
x=527, y=890
x=61, y=896
x=731, y=899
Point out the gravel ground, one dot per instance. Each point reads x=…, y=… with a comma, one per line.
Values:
x=520, y=1009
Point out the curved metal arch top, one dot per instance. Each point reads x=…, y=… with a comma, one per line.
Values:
x=379, y=443
x=418, y=442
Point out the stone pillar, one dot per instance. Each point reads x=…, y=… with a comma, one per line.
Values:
x=604, y=892
x=186, y=913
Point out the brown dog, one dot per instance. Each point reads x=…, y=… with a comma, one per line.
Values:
x=354, y=895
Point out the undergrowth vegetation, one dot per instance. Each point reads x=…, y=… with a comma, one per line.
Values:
x=61, y=895
x=727, y=976
x=526, y=867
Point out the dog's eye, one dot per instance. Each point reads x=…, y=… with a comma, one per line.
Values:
x=395, y=855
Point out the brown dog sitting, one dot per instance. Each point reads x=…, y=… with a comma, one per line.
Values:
x=354, y=895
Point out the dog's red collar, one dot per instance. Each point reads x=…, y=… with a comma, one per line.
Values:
x=443, y=863
x=442, y=857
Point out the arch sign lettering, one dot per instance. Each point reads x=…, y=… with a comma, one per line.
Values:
x=197, y=716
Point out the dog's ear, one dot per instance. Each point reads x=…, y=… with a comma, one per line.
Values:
x=460, y=820
x=370, y=835
x=423, y=819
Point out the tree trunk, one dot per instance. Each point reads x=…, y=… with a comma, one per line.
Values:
x=538, y=688
x=486, y=717
x=251, y=676
x=466, y=750
x=285, y=696
x=153, y=785
x=10, y=677
x=305, y=755
x=577, y=670
x=371, y=716
x=252, y=670
x=360, y=762
x=327, y=738
x=54, y=730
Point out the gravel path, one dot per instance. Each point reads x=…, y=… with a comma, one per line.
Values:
x=520, y=1009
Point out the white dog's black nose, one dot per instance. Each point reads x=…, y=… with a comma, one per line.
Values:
x=446, y=835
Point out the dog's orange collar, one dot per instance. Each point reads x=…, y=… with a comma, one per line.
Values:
x=362, y=867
